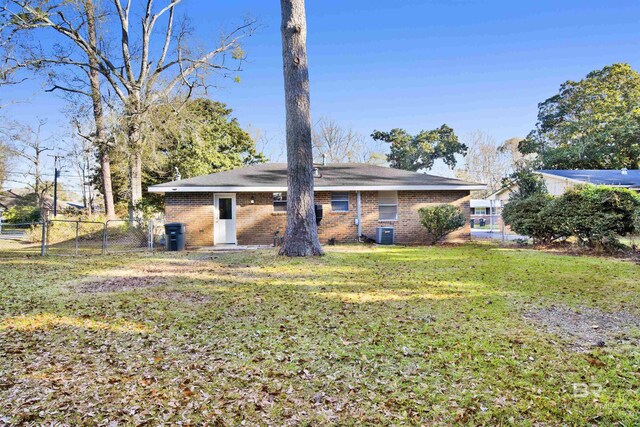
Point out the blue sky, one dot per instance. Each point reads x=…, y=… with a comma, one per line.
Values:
x=474, y=65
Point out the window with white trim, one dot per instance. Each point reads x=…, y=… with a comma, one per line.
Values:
x=279, y=202
x=480, y=211
x=387, y=205
x=340, y=202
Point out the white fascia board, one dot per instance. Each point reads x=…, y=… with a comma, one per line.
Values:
x=480, y=203
x=205, y=189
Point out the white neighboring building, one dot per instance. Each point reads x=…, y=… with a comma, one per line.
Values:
x=559, y=181
x=486, y=214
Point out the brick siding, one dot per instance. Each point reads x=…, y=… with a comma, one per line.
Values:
x=257, y=222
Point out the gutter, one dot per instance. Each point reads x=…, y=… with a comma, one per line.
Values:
x=275, y=189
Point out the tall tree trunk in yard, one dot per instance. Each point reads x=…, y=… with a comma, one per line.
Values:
x=301, y=238
x=98, y=115
x=133, y=117
x=135, y=176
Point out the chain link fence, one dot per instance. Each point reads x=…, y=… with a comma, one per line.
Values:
x=128, y=236
x=157, y=236
x=78, y=237
x=69, y=237
x=21, y=239
x=633, y=241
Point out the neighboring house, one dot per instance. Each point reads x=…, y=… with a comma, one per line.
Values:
x=485, y=213
x=559, y=181
x=26, y=197
x=12, y=197
x=248, y=206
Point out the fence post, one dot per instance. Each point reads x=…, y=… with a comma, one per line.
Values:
x=43, y=249
x=150, y=235
x=104, y=238
x=77, y=231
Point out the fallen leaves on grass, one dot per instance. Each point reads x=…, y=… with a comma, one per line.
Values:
x=378, y=336
x=585, y=328
x=118, y=284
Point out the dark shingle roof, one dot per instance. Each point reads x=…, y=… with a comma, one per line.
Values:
x=600, y=177
x=273, y=177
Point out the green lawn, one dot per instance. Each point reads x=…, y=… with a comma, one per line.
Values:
x=392, y=336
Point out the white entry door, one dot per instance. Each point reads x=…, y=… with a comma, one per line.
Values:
x=224, y=219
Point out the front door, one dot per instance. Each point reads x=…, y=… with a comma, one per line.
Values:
x=224, y=219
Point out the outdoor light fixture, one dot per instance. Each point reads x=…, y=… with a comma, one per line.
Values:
x=253, y=200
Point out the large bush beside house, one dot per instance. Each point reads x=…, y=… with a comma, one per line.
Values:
x=441, y=220
x=21, y=214
x=534, y=216
x=595, y=216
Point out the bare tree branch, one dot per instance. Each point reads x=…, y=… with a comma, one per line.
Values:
x=68, y=89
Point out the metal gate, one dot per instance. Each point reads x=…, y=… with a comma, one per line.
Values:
x=123, y=235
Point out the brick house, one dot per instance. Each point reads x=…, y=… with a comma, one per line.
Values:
x=247, y=206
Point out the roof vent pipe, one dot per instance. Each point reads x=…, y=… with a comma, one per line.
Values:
x=324, y=160
x=624, y=171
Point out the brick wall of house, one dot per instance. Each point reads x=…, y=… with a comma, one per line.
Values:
x=257, y=222
x=407, y=227
x=195, y=210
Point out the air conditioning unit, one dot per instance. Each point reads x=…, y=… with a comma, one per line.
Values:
x=384, y=235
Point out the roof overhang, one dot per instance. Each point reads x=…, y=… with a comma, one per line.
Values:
x=275, y=189
x=552, y=175
x=580, y=181
x=484, y=203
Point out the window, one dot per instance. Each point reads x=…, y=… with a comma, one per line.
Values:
x=387, y=205
x=225, y=209
x=279, y=202
x=480, y=211
x=340, y=202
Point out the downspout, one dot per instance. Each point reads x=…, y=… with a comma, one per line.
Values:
x=359, y=213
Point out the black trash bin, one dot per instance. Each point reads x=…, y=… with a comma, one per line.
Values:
x=175, y=232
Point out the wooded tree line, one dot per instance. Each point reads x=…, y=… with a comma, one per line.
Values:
x=131, y=63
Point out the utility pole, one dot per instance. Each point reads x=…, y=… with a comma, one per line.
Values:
x=55, y=185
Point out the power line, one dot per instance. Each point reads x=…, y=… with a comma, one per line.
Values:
x=42, y=174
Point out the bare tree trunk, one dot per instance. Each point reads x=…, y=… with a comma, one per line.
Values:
x=37, y=179
x=86, y=187
x=301, y=238
x=107, y=189
x=135, y=176
x=133, y=117
x=98, y=115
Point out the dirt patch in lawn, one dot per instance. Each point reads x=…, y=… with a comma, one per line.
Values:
x=185, y=296
x=586, y=328
x=119, y=284
x=173, y=267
